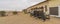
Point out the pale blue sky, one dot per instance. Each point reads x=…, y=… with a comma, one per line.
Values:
x=18, y=5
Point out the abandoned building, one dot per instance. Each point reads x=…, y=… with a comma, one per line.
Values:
x=51, y=7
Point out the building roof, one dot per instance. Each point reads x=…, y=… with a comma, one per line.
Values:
x=38, y=4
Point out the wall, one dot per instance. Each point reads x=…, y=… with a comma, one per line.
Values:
x=53, y=3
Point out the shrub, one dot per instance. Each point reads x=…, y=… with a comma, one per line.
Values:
x=2, y=13
x=15, y=12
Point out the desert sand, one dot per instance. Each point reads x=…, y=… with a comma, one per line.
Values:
x=22, y=18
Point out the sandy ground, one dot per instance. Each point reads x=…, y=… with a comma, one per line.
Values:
x=26, y=19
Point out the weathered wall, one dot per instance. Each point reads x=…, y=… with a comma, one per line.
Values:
x=50, y=3
x=53, y=3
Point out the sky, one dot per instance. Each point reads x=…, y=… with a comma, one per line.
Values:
x=17, y=5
